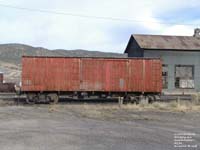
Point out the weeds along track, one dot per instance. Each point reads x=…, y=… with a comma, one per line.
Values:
x=167, y=103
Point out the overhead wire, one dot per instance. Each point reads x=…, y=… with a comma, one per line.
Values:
x=91, y=16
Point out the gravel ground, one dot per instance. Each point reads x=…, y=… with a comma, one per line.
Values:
x=93, y=127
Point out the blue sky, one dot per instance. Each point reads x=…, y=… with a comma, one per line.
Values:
x=68, y=32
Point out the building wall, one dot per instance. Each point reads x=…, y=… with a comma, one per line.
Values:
x=133, y=49
x=172, y=58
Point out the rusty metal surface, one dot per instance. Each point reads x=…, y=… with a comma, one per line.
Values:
x=7, y=87
x=91, y=74
x=50, y=74
x=103, y=74
x=167, y=42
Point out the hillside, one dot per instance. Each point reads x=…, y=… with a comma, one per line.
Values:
x=10, y=57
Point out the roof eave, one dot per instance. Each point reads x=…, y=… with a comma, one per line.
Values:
x=189, y=50
x=129, y=42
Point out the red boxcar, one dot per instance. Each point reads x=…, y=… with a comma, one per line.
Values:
x=79, y=76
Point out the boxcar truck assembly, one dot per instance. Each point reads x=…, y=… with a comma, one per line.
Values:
x=44, y=79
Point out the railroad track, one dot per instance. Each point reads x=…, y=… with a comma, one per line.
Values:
x=10, y=96
x=164, y=98
x=175, y=97
x=7, y=95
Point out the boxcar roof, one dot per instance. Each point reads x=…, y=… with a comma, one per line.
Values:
x=93, y=57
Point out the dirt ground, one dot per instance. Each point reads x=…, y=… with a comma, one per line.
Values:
x=95, y=127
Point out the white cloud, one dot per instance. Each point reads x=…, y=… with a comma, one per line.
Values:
x=181, y=30
x=68, y=32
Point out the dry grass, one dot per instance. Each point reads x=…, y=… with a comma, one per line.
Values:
x=196, y=99
x=95, y=111
x=156, y=106
x=119, y=113
x=6, y=103
x=125, y=112
x=174, y=106
x=53, y=108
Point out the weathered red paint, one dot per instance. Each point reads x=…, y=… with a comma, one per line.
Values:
x=91, y=74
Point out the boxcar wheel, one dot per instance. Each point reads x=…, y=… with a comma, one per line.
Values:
x=131, y=99
x=52, y=98
x=137, y=100
x=126, y=99
x=31, y=99
x=151, y=99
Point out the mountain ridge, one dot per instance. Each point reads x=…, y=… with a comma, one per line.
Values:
x=11, y=53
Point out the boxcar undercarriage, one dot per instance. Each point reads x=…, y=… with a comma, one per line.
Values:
x=125, y=97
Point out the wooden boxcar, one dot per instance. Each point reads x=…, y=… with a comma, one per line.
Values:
x=45, y=78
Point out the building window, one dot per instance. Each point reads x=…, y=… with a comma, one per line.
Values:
x=184, y=76
x=165, y=76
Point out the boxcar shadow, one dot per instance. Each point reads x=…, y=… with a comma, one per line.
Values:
x=88, y=101
x=73, y=101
